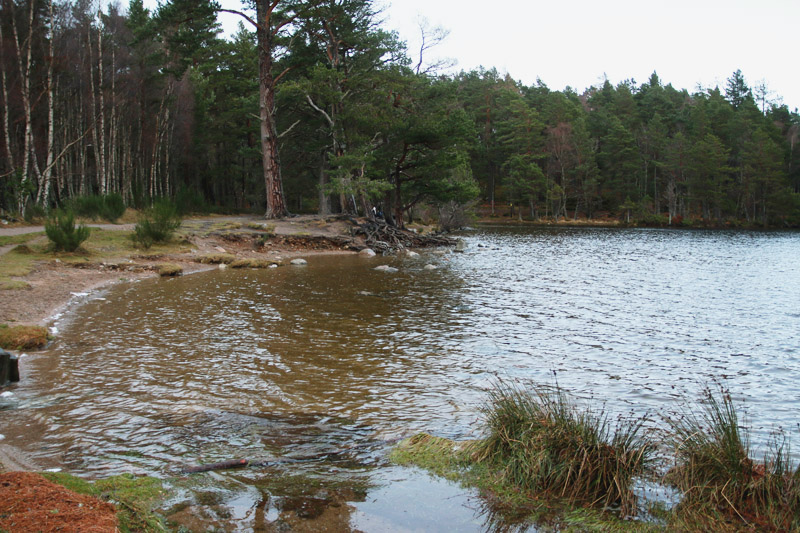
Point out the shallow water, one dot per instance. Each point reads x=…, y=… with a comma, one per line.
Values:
x=315, y=371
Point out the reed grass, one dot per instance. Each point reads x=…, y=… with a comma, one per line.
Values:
x=721, y=481
x=543, y=443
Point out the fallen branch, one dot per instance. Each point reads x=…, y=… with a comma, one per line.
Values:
x=224, y=465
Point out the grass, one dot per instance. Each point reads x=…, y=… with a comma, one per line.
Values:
x=135, y=498
x=723, y=485
x=19, y=239
x=13, y=285
x=541, y=442
x=19, y=261
x=543, y=459
x=169, y=270
x=253, y=263
x=442, y=457
x=549, y=461
x=216, y=259
x=23, y=337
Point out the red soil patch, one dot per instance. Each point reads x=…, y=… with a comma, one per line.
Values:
x=29, y=502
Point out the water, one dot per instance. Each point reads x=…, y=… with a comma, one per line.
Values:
x=316, y=371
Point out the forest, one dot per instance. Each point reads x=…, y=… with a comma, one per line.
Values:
x=312, y=106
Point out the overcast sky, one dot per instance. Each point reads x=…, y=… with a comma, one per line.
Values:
x=578, y=42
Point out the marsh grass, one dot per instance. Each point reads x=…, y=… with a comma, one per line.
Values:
x=723, y=486
x=543, y=443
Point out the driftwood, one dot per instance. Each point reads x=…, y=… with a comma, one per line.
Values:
x=224, y=465
x=387, y=239
x=240, y=463
x=275, y=461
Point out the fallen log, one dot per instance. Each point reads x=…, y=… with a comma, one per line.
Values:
x=224, y=465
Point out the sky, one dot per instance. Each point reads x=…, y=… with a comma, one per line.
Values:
x=578, y=43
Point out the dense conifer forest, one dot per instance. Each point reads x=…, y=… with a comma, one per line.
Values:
x=313, y=107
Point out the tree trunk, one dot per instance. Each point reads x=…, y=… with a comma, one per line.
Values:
x=276, y=206
x=46, y=178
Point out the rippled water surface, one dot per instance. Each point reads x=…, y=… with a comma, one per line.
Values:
x=315, y=371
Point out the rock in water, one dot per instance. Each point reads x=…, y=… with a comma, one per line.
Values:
x=386, y=268
x=299, y=261
x=430, y=267
x=461, y=246
x=367, y=252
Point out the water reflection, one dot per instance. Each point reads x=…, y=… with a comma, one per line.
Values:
x=323, y=367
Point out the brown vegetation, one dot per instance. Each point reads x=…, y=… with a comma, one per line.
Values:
x=23, y=337
x=30, y=503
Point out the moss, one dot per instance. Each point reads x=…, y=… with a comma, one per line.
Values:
x=216, y=259
x=169, y=270
x=23, y=337
x=253, y=263
x=135, y=498
x=440, y=456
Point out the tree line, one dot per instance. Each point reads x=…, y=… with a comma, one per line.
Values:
x=313, y=106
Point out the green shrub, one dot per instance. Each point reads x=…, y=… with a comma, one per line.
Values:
x=718, y=477
x=33, y=212
x=188, y=200
x=61, y=231
x=156, y=224
x=113, y=207
x=109, y=207
x=542, y=443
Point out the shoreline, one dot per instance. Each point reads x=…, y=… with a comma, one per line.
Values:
x=55, y=287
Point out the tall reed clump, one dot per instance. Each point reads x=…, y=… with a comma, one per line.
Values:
x=62, y=232
x=720, y=481
x=542, y=442
x=157, y=224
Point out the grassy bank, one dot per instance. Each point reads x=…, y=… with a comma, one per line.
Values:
x=134, y=497
x=565, y=467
